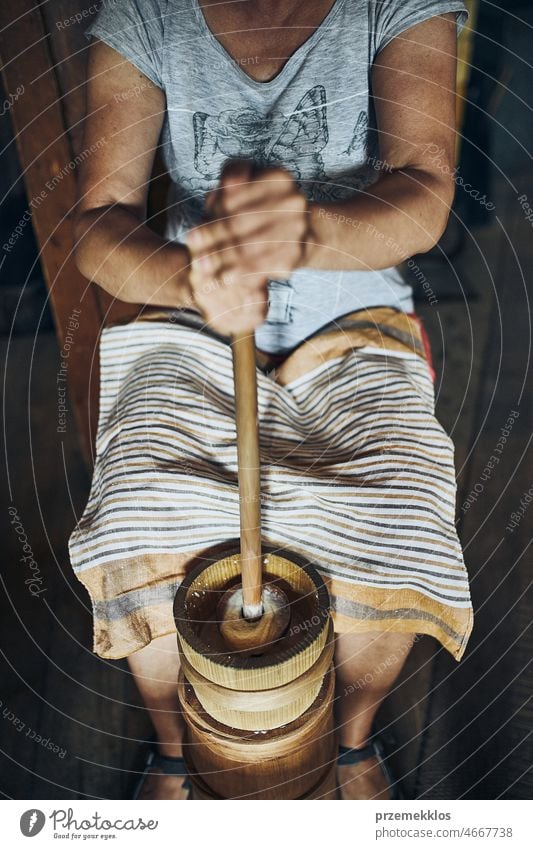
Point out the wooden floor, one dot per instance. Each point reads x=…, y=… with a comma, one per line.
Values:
x=71, y=723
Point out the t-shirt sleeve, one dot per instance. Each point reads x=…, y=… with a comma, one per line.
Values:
x=135, y=29
x=389, y=18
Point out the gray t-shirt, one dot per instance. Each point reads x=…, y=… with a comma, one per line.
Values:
x=316, y=118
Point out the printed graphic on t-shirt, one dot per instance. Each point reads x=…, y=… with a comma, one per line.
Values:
x=275, y=139
x=280, y=295
x=295, y=141
x=360, y=140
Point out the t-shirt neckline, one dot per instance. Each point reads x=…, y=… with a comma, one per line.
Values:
x=304, y=48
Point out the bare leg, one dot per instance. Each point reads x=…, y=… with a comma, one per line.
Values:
x=367, y=666
x=155, y=670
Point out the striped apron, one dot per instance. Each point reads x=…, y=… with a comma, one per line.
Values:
x=357, y=475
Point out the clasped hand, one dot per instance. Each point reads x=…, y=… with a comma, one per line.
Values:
x=256, y=229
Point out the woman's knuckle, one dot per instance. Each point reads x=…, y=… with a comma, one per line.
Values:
x=277, y=172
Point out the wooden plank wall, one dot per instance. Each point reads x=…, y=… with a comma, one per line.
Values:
x=48, y=61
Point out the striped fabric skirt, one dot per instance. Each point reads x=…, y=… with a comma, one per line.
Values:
x=357, y=476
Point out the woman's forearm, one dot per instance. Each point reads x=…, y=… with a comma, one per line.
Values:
x=402, y=214
x=131, y=262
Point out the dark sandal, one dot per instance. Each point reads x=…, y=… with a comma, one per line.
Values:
x=167, y=766
x=375, y=748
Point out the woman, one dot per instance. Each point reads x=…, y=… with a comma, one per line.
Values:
x=298, y=139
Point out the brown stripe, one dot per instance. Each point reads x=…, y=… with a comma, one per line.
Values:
x=381, y=327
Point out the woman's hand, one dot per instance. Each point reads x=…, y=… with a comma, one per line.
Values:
x=256, y=229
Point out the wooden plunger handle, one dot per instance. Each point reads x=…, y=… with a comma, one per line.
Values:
x=244, y=371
